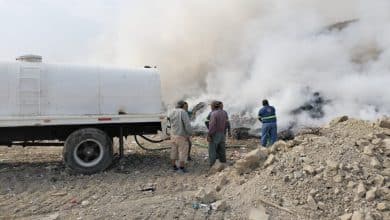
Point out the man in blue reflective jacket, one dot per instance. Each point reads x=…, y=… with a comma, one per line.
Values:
x=267, y=116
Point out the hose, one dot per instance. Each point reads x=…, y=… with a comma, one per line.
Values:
x=150, y=140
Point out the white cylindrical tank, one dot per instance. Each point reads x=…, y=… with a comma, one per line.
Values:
x=35, y=88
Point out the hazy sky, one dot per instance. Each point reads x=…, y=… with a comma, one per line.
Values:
x=60, y=31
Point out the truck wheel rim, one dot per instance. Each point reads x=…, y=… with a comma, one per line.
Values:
x=88, y=153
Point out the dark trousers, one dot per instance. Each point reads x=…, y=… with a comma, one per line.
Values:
x=189, y=148
x=217, y=148
x=269, y=134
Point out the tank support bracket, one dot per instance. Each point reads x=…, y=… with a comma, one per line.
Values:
x=121, y=148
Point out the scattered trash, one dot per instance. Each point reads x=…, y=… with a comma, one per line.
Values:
x=59, y=194
x=85, y=203
x=151, y=187
x=148, y=189
x=204, y=207
x=235, y=155
x=74, y=201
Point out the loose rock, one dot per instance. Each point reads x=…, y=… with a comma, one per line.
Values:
x=332, y=165
x=311, y=202
x=337, y=120
x=85, y=203
x=338, y=178
x=382, y=206
x=309, y=169
x=357, y=215
x=371, y=194
x=386, y=172
x=270, y=160
x=321, y=205
x=375, y=163
x=217, y=167
x=222, y=182
x=379, y=180
x=280, y=146
x=251, y=160
x=362, y=143
x=219, y=205
x=369, y=216
x=346, y=216
x=258, y=214
x=368, y=150
x=206, y=196
x=376, y=141
x=361, y=190
x=384, y=123
x=384, y=192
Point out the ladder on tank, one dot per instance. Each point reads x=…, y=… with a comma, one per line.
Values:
x=29, y=90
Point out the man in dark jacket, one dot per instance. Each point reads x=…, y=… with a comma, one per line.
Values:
x=267, y=116
x=216, y=135
x=228, y=130
x=189, y=138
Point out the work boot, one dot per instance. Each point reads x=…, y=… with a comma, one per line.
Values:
x=182, y=170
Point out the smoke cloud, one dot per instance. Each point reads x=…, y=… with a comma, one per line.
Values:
x=243, y=51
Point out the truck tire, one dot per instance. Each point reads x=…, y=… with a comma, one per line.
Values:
x=87, y=151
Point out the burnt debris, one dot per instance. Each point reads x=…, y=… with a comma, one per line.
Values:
x=339, y=26
x=198, y=109
x=313, y=107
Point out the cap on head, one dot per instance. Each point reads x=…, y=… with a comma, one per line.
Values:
x=221, y=104
x=180, y=104
x=216, y=104
x=265, y=102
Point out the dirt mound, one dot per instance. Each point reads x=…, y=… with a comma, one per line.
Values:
x=341, y=171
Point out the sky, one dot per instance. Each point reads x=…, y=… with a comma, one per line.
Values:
x=60, y=31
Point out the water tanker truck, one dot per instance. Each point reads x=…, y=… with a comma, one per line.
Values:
x=78, y=107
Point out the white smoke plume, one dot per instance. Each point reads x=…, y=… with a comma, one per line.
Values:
x=241, y=51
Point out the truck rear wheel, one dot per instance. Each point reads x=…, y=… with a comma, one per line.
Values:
x=88, y=151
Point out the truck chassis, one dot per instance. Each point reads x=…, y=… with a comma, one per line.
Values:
x=87, y=140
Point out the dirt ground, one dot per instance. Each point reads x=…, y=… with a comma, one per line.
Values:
x=35, y=185
x=339, y=171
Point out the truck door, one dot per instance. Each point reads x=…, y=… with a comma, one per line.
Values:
x=29, y=88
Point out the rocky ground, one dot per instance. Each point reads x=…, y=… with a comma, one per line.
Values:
x=340, y=171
